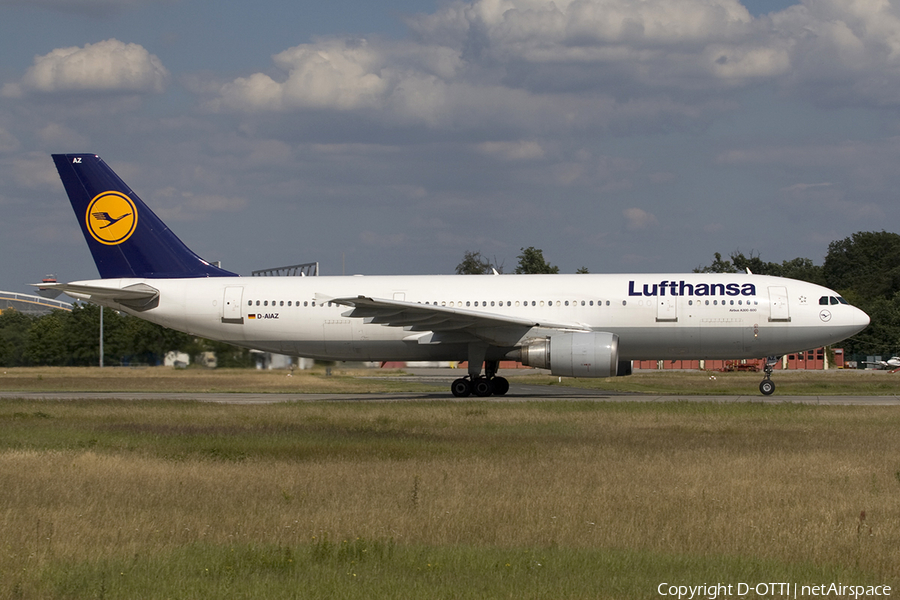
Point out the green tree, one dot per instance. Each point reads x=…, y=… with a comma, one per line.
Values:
x=867, y=262
x=797, y=268
x=14, y=328
x=45, y=340
x=803, y=269
x=473, y=263
x=882, y=336
x=718, y=266
x=531, y=261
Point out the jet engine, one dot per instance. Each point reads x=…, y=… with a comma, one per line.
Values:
x=592, y=354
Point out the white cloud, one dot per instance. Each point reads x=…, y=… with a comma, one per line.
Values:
x=636, y=219
x=107, y=66
x=58, y=136
x=557, y=66
x=512, y=151
x=336, y=74
x=187, y=206
x=8, y=142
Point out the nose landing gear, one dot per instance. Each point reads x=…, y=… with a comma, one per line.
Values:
x=767, y=386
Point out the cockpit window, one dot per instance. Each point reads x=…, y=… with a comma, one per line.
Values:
x=842, y=301
x=834, y=300
x=823, y=300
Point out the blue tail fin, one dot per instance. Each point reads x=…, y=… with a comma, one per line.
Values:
x=125, y=237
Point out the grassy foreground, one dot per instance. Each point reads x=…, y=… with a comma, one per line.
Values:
x=108, y=499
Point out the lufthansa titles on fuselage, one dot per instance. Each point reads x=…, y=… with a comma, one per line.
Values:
x=683, y=288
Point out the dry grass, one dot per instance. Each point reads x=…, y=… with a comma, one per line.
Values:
x=782, y=485
x=198, y=380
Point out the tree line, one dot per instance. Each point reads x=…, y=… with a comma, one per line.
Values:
x=64, y=338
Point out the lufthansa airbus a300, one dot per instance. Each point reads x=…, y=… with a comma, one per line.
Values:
x=573, y=325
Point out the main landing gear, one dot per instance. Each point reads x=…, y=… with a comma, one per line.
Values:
x=767, y=386
x=480, y=385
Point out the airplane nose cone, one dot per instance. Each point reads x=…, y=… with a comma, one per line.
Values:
x=860, y=319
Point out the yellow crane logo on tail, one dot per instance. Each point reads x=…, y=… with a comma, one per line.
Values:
x=111, y=218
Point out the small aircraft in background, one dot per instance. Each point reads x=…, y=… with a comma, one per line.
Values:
x=892, y=363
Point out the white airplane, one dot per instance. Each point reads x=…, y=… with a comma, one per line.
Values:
x=573, y=325
x=891, y=363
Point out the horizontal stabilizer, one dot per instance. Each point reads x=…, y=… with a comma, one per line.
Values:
x=137, y=296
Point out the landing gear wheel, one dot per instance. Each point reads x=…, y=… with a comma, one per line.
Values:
x=461, y=388
x=767, y=386
x=501, y=385
x=482, y=387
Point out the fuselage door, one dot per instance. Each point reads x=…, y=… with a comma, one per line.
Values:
x=778, y=304
x=231, y=305
x=666, y=308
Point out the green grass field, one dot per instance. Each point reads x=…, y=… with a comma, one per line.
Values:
x=480, y=499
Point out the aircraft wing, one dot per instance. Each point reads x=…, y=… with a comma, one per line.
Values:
x=138, y=296
x=442, y=320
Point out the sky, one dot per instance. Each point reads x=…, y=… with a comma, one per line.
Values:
x=391, y=138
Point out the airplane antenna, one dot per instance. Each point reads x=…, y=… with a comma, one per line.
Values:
x=748, y=271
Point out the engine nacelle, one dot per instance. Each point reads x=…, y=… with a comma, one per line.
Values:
x=593, y=354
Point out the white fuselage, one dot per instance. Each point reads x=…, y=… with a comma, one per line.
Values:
x=655, y=316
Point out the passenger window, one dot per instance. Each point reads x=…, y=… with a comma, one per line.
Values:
x=281, y=303
x=249, y=302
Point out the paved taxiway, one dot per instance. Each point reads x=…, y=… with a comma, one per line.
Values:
x=441, y=377
x=517, y=393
